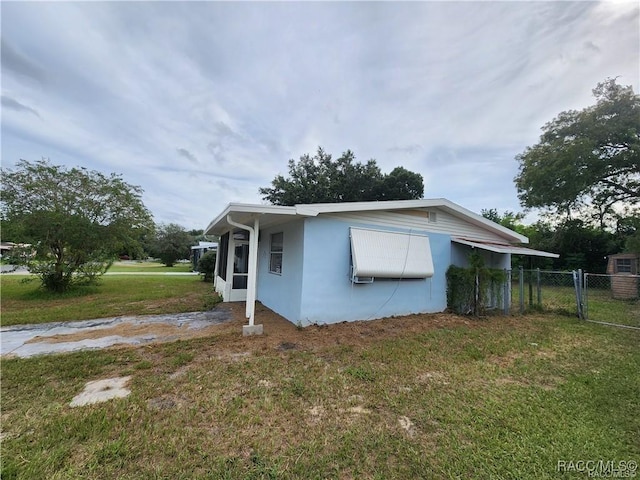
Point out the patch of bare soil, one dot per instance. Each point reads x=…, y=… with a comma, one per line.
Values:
x=121, y=330
x=282, y=335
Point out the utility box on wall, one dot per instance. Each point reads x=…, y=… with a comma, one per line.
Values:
x=624, y=282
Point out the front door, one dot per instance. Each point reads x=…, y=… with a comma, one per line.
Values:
x=240, y=265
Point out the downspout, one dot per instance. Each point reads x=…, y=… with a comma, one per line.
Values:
x=253, y=263
x=216, y=266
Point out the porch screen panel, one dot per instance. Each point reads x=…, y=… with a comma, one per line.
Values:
x=223, y=252
x=377, y=253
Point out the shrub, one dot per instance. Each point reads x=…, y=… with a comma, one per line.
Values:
x=469, y=290
x=207, y=265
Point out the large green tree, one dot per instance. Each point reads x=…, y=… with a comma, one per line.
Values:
x=321, y=179
x=586, y=160
x=171, y=243
x=509, y=219
x=578, y=244
x=74, y=220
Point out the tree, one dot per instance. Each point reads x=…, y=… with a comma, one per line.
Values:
x=509, y=219
x=582, y=246
x=319, y=179
x=75, y=220
x=628, y=232
x=587, y=160
x=172, y=243
x=402, y=184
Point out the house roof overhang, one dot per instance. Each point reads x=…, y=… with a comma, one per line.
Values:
x=504, y=248
x=273, y=214
x=246, y=213
x=441, y=203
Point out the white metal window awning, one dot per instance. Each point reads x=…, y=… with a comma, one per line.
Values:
x=503, y=248
x=377, y=253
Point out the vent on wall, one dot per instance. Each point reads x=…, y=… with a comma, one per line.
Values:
x=432, y=216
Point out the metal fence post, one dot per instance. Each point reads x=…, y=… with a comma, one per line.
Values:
x=506, y=292
x=585, y=298
x=582, y=293
x=539, y=288
x=521, y=288
x=577, y=284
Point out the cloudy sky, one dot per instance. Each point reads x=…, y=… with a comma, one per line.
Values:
x=203, y=103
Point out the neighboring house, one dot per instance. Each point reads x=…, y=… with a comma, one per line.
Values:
x=6, y=247
x=197, y=251
x=334, y=262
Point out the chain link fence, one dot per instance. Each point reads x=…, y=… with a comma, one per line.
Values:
x=609, y=299
x=543, y=290
x=612, y=299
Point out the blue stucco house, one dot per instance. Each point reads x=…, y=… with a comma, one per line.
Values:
x=335, y=262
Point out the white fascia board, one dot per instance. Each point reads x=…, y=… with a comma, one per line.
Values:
x=474, y=218
x=447, y=205
x=514, y=250
x=247, y=208
x=315, y=209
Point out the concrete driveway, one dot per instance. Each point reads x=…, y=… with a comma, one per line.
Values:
x=29, y=340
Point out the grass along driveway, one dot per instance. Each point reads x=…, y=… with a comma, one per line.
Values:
x=132, y=266
x=116, y=295
x=431, y=396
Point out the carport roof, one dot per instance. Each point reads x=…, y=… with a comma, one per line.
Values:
x=503, y=248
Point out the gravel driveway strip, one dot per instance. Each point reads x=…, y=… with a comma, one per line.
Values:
x=29, y=340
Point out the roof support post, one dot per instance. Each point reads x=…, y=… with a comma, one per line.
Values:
x=252, y=272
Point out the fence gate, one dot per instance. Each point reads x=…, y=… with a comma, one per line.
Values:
x=612, y=299
x=545, y=290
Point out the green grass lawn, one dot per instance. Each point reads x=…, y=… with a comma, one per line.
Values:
x=600, y=304
x=116, y=295
x=148, y=267
x=505, y=397
x=602, y=307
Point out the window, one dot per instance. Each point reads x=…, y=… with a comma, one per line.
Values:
x=376, y=253
x=275, y=260
x=623, y=265
x=241, y=265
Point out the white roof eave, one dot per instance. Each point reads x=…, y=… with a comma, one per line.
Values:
x=512, y=249
x=220, y=222
x=313, y=210
x=453, y=208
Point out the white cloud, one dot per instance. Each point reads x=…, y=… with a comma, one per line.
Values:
x=202, y=103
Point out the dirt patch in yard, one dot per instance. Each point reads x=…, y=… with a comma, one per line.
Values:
x=280, y=335
x=283, y=336
x=160, y=331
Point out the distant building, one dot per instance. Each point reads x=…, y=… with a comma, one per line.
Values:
x=624, y=270
x=197, y=251
x=6, y=247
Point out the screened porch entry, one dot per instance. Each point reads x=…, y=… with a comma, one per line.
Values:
x=233, y=266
